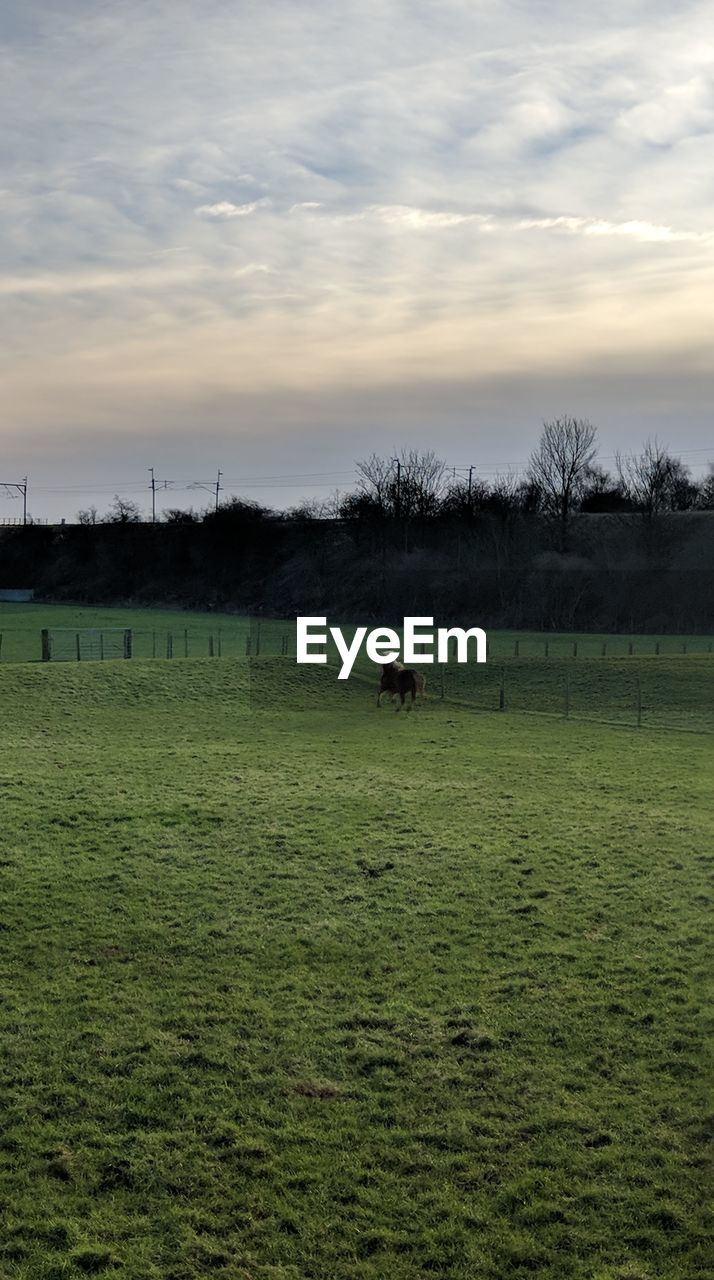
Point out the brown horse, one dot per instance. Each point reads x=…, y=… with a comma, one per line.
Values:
x=397, y=679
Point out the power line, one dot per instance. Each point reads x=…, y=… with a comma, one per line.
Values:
x=281, y=481
x=21, y=486
x=153, y=484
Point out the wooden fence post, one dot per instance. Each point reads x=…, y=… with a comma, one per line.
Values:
x=185, y=642
x=46, y=651
x=639, y=702
x=502, y=691
x=128, y=642
x=566, y=699
x=79, y=647
x=210, y=645
x=169, y=645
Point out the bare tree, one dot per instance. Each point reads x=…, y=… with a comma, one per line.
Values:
x=313, y=509
x=600, y=491
x=87, y=516
x=559, y=466
x=421, y=483
x=409, y=485
x=180, y=515
x=505, y=495
x=123, y=511
x=705, y=500
x=375, y=482
x=462, y=498
x=655, y=481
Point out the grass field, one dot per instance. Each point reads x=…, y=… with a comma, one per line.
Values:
x=296, y=989
x=660, y=682
x=21, y=625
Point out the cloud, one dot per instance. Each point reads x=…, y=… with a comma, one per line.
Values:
x=672, y=112
x=224, y=210
x=647, y=232
x=348, y=194
x=421, y=219
x=252, y=268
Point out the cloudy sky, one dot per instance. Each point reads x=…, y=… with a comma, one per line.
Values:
x=272, y=235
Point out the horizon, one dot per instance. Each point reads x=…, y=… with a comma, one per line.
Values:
x=273, y=242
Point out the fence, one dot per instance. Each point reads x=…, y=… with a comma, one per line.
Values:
x=662, y=693
x=649, y=682
x=250, y=637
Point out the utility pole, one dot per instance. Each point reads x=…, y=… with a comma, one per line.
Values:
x=213, y=487
x=471, y=472
x=21, y=486
x=153, y=485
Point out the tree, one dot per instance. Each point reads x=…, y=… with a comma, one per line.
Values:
x=559, y=466
x=179, y=515
x=123, y=511
x=375, y=486
x=602, y=492
x=409, y=486
x=421, y=483
x=237, y=511
x=463, y=499
x=705, y=500
x=87, y=516
x=504, y=498
x=360, y=506
x=655, y=481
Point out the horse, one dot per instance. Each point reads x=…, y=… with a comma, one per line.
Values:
x=397, y=679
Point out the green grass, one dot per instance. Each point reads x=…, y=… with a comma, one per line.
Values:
x=21, y=625
x=296, y=989
x=662, y=682
x=662, y=693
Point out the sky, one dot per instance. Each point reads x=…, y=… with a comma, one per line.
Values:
x=273, y=237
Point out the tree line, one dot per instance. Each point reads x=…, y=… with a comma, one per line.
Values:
x=567, y=546
x=563, y=477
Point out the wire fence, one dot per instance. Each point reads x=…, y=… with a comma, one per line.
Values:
x=646, y=682
x=653, y=693
x=250, y=637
